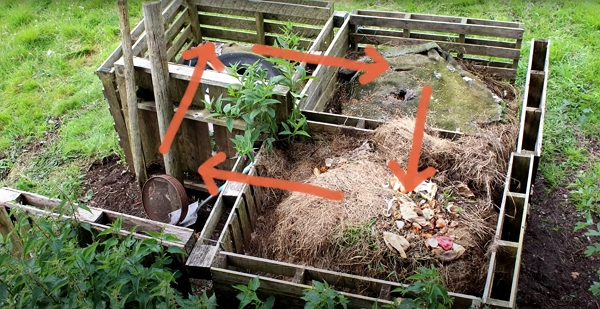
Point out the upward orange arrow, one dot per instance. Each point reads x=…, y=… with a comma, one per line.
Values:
x=205, y=53
x=372, y=70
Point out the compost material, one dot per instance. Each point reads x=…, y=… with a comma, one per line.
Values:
x=461, y=101
x=379, y=229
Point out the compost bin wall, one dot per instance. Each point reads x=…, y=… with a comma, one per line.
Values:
x=232, y=267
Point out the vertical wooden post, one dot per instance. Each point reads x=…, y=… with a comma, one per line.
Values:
x=133, y=121
x=157, y=50
x=260, y=28
x=6, y=226
x=461, y=37
x=406, y=32
x=194, y=21
x=352, y=28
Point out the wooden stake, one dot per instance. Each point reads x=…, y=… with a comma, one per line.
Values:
x=135, y=142
x=157, y=50
x=6, y=226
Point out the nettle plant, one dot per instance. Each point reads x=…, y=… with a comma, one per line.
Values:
x=593, y=249
x=63, y=264
x=252, y=100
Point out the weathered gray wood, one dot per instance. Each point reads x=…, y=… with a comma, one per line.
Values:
x=239, y=36
x=177, y=26
x=178, y=44
x=114, y=106
x=299, y=276
x=279, y=11
x=168, y=13
x=406, y=31
x=314, y=88
x=247, y=24
x=327, y=92
x=470, y=49
x=249, y=199
x=150, y=135
x=200, y=260
x=212, y=221
x=133, y=127
x=185, y=236
x=160, y=80
x=242, y=212
x=260, y=28
x=8, y=195
x=194, y=21
x=535, y=88
x=412, y=24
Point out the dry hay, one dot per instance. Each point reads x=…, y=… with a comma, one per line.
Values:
x=346, y=235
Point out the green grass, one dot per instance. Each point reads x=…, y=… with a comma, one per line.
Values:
x=49, y=91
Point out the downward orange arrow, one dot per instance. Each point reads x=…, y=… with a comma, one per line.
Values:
x=205, y=53
x=208, y=172
x=372, y=70
x=412, y=178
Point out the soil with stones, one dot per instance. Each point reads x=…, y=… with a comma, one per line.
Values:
x=114, y=188
x=555, y=273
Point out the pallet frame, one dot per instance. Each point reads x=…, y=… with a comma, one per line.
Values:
x=188, y=23
x=286, y=281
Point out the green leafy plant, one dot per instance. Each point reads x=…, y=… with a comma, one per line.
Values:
x=248, y=297
x=62, y=263
x=593, y=249
x=427, y=290
x=252, y=100
x=321, y=296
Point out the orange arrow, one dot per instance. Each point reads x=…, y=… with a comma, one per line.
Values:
x=372, y=70
x=209, y=173
x=205, y=53
x=412, y=178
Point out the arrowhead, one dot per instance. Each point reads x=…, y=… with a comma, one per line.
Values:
x=410, y=180
x=205, y=53
x=373, y=70
x=208, y=172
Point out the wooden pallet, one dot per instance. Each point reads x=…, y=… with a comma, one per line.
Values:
x=188, y=23
x=492, y=45
x=286, y=282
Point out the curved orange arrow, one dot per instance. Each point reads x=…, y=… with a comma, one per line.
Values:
x=372, y=70
x=205, y=53
x=412, y=178
x=208, y=172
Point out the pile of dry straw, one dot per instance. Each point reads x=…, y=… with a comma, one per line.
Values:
x=346, y=235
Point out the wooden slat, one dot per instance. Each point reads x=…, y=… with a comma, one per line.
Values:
x=212, y=221
x=222, y=139
x=272, y=10
x=236, y=232
x=114, y=107
x=471, y=49
x=503, y=32
x=177, y=25
x=178, y=44
x=184, y=235
x=252, y=213
x=189, y=140
x=192, y=12
x=149, y=135
x=249, y=24
x=242, y=213
x=200, y=259
x=260, y=28
x=141, y=45
x=232, y=35
x=328, y=92
x=314, y=89
x=442, y=18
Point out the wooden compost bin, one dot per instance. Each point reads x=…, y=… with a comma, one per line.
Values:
x=188, y=23
x=493, y=45
x=232, y=267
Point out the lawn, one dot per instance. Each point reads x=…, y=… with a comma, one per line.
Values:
x=54, y=121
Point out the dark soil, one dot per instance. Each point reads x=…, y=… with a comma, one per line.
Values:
x=114, y=187
x=554, y=271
